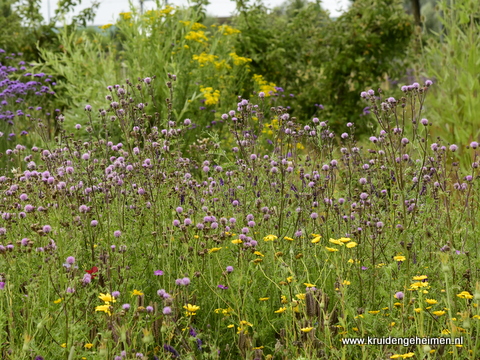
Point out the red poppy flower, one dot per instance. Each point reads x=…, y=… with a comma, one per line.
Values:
x=92, y=271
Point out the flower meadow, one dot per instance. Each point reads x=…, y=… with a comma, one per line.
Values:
x=276, y=248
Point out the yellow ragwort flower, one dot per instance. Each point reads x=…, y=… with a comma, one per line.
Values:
x=316, y=239
x=288, y=238
x=237, y=241
x=308, y=285
x=431, y=301
x=351, y=244
x=439, y=313
x=399, y=258
x=374, y=312
x=258, y=253
x=420, y=277
x=281, y=310
x=88, y=346
x=136, y=292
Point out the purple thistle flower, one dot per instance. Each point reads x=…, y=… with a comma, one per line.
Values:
x=47, y=228
x=158, y=272
x=70, y=260
x=117, y=233
x=126, y=306
x=222, y=287
x=229, y=269
x=167, y=310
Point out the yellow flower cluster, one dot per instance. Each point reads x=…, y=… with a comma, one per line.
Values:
x=224, y=312
x=264, y=86
x=106, y=26
x=268, y=128
x=198, y=36
x=167, y=11
x=126, y=15
x=270, y=238
x=219, y=65
x=205, y=58
x=239, y=60
x=195, y=26
x=228, y=30
x=212, y=97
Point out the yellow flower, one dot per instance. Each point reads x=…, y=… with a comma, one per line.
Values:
x=212, y=250
x=58, y=301
x=289, y=279
x=264, y=299
x=270, y=238
x=198, y=26
x=374, y=312
x=331, y=249
x=107, y=298
x=288, y=238
x=88, y=346
x=350, y=261
x=230, y=326
x=316, y=239
x=345, y=240
x=336, y=242
x=239, y=60
x=244, y=322
x=105, y=308
x=404, y=356
x=64, y=345
x=438, y=313
x=198, y=36
x=136, y=292
x=300, y=296
x=191, y=309
x=306, y=329
x=418, y=285
x=346, y=282
x=431, y=301
x=281, y=310
x=228, y=30
x=351, y=244
x=168, y=9
x=237, y=241
x=126, y=15
x=418, y=310
x=399, y=258
x=105, y=27
x=420, y=277
x=211, y=97
x=308, y=285
x=465, y=295
x=258, y=253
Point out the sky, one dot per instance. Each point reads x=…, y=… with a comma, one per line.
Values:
x=109, y=9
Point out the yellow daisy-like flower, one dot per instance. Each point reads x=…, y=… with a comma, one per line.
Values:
x=64, y=345
x=350, y=261
x=374, y=312
x=105, y=308
x=420, y=277
x=346, y=282
x=58, y=301
x=345, y=240
x=399, y=258
x=136, y=292
x=264, y=299
x=418, y=310
x=288, y=238
x=289, y=279
x=431, y=301
x=281, y=310
x=237, y=241
x=300, y=296
x=258, y=253
x=331, y=249
x=270, y=238
x=439, y=313
x=244, y=322
x=230, y=326
x=351, y=244
x=107, y=298
x=308, y=285
x=213, y=250
x=284, y=299
x=306, y=329
x=316, y=239
x=336, y=242
x=88, y=346
x=191, y=309
x=465, y=295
